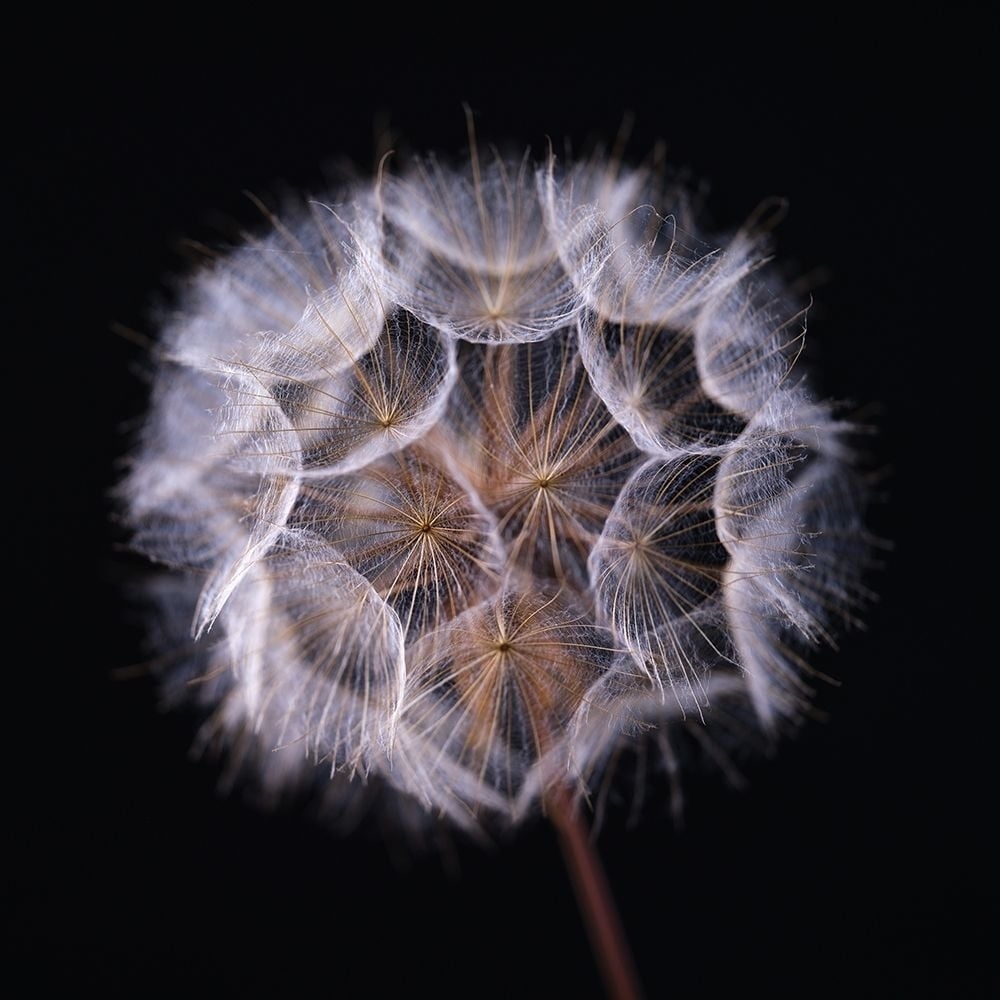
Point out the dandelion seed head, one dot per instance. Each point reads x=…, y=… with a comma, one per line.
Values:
x=486, y=471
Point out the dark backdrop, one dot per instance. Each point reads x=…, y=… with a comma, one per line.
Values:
x=856, y=861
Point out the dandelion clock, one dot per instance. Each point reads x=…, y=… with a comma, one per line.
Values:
x=470, y=478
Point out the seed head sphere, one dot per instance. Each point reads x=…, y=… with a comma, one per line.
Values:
x=475, y=473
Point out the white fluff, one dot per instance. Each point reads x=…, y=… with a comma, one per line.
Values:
x=499, y=469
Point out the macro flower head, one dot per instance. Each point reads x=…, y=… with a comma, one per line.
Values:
x=475, y=474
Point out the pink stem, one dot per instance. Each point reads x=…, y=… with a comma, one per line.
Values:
x=607, y=938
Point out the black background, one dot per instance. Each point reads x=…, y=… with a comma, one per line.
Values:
x=856, y=863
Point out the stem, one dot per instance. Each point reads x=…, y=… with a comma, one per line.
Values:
x=593, y=894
